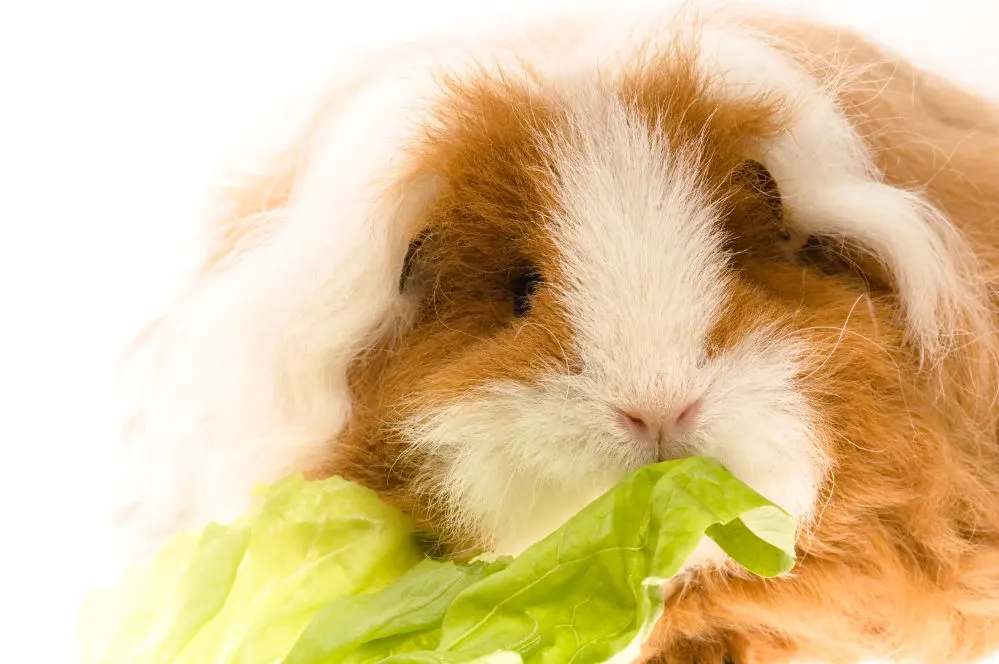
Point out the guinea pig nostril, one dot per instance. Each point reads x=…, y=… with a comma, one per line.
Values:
x=634, y=423
x=687, y=418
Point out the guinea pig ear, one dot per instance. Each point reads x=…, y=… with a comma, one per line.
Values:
x=757, y=219
x=760, y=181
x=409, y=263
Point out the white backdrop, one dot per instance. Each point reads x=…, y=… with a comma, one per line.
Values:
x=113, y=117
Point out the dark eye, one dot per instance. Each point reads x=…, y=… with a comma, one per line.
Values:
x=838, y=258
x=522, y=286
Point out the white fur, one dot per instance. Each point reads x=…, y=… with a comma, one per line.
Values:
x=248, y=370
x=247, y=378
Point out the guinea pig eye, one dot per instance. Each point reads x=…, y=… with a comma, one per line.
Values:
x=839, y=259
x=522, y=287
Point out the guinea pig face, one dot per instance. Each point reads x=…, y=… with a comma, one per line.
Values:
x=600, y=283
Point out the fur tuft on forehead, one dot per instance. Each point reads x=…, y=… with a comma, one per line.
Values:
x=498, y=141
x=494, y=137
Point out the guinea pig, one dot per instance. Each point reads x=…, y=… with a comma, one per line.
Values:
x=495, y=273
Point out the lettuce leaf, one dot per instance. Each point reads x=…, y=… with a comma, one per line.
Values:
x=244, y=592
x=324, y=572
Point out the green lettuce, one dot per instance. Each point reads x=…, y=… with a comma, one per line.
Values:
x=324, y=572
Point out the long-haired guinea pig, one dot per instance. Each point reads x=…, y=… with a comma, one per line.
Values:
x=493, y=275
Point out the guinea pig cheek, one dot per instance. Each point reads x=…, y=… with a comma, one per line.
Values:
x=510, y=462
x=505, y=436
x=754, y=418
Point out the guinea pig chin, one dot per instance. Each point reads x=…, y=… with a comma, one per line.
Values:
x=512, y=461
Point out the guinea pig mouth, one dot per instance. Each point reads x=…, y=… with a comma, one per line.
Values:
x=663, y=446
x=670, y=450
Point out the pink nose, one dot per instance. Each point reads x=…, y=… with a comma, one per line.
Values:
x=647, y=426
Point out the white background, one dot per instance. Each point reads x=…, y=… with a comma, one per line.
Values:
x=113, y=118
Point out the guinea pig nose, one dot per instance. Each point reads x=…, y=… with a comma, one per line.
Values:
x=644, y=425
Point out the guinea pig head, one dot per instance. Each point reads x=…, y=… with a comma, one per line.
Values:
x=603, y=280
